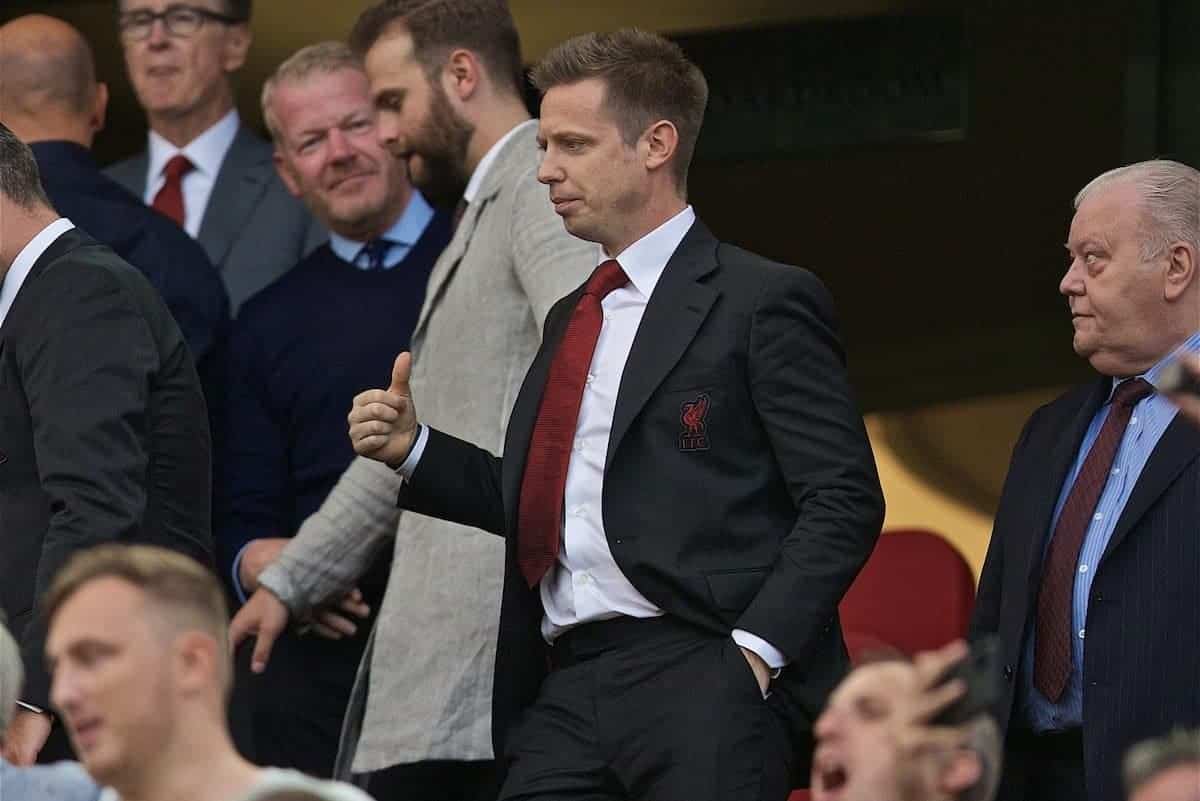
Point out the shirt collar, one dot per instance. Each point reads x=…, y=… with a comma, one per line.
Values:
x=206, y=151
x=645, y=260
x=406, y=230
x=23, y=264
x=485, y=163
x=1189, y=345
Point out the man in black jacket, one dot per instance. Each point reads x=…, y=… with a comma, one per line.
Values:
x=103, y=428
x=687, y=489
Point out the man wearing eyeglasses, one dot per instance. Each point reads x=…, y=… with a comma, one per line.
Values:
x=203, y=167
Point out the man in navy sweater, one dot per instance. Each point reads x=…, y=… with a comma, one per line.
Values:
x=50, y=99
x=300, y=349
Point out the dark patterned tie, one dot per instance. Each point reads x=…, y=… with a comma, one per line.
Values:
x=539, y=516
x=169, y=200
x=1052, y=649
x=376, y=252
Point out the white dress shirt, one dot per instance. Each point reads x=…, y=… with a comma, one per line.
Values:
x=25, y=260
x=586, y=584
x=206, y=152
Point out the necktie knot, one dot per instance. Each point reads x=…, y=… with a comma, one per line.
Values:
x=375, y=252
x=177, y=166
x=607, y=277
x=1128, y=393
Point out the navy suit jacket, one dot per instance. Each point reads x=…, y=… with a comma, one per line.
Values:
x=1141, y=664
x=173, y=262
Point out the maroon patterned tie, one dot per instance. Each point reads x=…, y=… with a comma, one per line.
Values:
x=169, y=199
x=1052, y=648
x=539, y=516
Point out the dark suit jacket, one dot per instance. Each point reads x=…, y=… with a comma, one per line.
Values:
x=1141, y=671
x=173, y=262
x=252, y=229
x=763, y=530
x=103, y=431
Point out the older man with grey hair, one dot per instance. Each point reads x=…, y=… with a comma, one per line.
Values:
x=1165, y=768
x=65, y=781
x=1095, y=535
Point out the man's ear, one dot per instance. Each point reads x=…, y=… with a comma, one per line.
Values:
x=99, y=108
x=462, y=74
x=1181, y=270
x=963, y=771
x=197, y=661
x=285, y=172
x=662, y=143
x=237, y=45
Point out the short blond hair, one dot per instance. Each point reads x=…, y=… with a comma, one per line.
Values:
x=183, y=590
x=322, y=58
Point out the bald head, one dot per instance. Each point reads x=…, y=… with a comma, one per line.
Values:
x=49, y=90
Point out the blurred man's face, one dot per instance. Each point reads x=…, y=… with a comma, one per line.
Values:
x=329, y=153
x=856, y=754
x=174, y=76
x=416, y=121
x=597, y=181
x=1117, y=299
x=1181, y=783
x=111, y=681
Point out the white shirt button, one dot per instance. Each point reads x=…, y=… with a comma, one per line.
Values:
x=1133, y=422
x=578, y=447
x=1083, y=568
x=590, y=378
x=1081, y=631
x=578, y=511
x=1116, y=471
x=584, y=578
x=1097, y=516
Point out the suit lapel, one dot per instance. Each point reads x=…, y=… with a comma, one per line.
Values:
x=447, y=263
x=241, y=181
x=673, y=315
x=513, y=157
x=1062, y=456
x=1177, y=448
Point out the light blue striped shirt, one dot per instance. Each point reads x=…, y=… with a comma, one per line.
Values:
x=403, y=234
x=1149, y=420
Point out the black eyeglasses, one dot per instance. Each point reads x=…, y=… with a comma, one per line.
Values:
x=181, y=21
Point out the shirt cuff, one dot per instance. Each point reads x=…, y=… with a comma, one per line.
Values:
x=769, y=653
x=237, y=581
x=409, y=465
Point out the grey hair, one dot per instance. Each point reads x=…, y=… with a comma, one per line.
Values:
x=984, y=739
x=1150, y=758
x=1170, y=202
x=12, y=674
x=322, y=58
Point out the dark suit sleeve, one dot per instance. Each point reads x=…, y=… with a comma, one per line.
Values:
x=802, y=395
x=456, y=481
x=87, y=369
x=253, y=491
x=985, y=618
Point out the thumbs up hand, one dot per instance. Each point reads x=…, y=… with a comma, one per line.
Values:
x=383, y=422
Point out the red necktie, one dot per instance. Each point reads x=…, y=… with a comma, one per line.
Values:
x=539, y=516
x=1052, y=648
x=169, y=200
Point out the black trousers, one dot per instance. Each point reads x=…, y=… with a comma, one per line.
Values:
x=648, y=710
x=436, y=780
x=1043, y=767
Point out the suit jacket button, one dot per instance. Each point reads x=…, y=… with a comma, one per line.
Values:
x=1008, y=672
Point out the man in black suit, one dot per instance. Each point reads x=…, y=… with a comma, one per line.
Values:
x=51, y=100
x=1096, y=531
x=103, y=431
x=687, y=488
